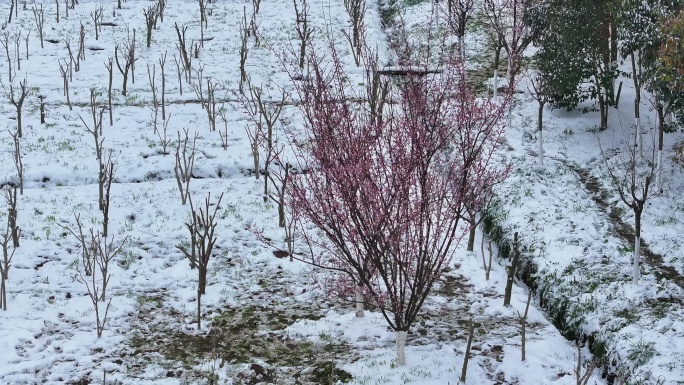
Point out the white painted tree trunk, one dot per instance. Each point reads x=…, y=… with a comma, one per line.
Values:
x=358, y=293
x=637, y=246
x=401, y=348
x=462, y=48
x=659, y=171
x=496, y=82
x=541, y=148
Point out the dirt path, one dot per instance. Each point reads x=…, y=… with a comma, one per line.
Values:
x=623, y=230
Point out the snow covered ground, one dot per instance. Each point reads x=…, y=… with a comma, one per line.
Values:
x=267, y=320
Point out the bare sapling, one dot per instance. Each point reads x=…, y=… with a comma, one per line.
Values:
x=183, y=50
x=12, y=5
x=16, y=154
x=255, y=6
x=582, y=376
x=151, y=15
x=539, y=92
x=254, y=30
x=205, y=238
x=96, y=131
x=510, y=270
x=208, y=103
x=523, y=324
x=356, y=10
x=204, y=224
x=268, y=112
x=96, y=15
x=7, y=255
x=151, y=76
x=118, y=4
x=486, y=265
x=162, y=62
x=109, y=65
x=304, y=31
x=459, y=12
x=128, y=58
x=75, y=61
x=17, y=40
x=203, y=20
x=12, y=213
x=466, y=357
x=255, y=136
x=377, y=90
x=64, y=70
x=4, y=40
x=244, y=33
x=57, y=10
x=94, y=284
x=87, y=261
x=161, y=5
x=223, y=135
x=105, y=185
x=131, y=53
x=26, y=40
x=633, y=171
x=180, y=72
x=185, y=159
x=18, y=101
x=66, y=9
x=81, y=42
x=40, y=22
x=42, y=108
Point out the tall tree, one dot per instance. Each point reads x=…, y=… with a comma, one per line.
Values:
x=578, y=53
x=388, y=194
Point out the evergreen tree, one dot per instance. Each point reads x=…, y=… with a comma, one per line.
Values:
x=578, y=52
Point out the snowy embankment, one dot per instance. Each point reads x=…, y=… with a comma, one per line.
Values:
x=575, y=257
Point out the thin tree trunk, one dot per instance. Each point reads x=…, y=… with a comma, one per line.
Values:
x=540, y=126
x=358, y=294
x=637, y=245
x=471, y=237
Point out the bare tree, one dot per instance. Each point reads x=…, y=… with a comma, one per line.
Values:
x=105, y=180
x=151, y=15
x=17, y=39
x=180, y=74
x=162, y=62
x=16, y=154
x=540, y=93
x=6, y=44
x=64, y=70
x=97, y=21
x=40, y=22
x=109, y=65
x=185, y=159
x=7, y=256
x=12, y=212
x=255, y=6
x=466, y=358
x=523, y=324
x=304, y=31
x=267, y=112
x=96, y=112
x=151, y=76
x=459, y=12
x=243, y=50
x=57, y=10
x=161, y=4
x=183, y=51
x=128, y=54
x=97, y=251
x=75, y=61
x=18, y=101
x=632, y=171
x=26, y=40
x=12, y=5
x=202, y=227
x=81, y=42
x=208, y=103
x=356, y=10
x=510, y=270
